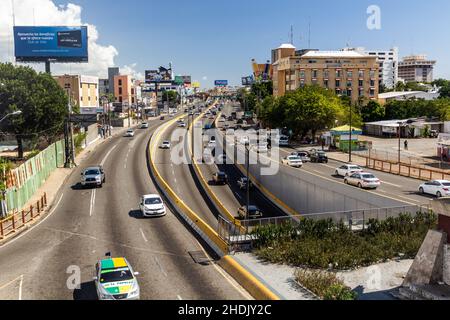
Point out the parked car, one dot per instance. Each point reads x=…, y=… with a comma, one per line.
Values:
x=162, y=118
x=438, y=188
x=242, y=183
x=253, y=212
x=165, y=145
x=93, y=177
x=152, y=206
x=283, y=141
x=347, y=170
x=318, y=156
x=363, y=180
x=220, y=178
x=293, y=161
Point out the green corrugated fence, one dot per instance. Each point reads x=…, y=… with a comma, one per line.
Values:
x=30, y=176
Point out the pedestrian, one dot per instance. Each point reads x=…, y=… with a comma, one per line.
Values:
x=406, y=144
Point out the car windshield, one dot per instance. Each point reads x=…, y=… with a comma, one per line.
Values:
x=166, y=142
x=150, y=201
x=368, y=176
x=92, y=172
x=294, y=158
x=446, y=184
x=115, y=275
x=354, y=168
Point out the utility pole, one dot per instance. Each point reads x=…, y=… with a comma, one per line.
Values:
x=351, y=129
x=68, y=134
x=247, y=148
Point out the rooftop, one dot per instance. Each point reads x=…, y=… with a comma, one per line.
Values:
x=333, y=54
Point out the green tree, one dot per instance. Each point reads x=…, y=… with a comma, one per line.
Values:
x=372, y=112
x=42, y=101
x=171, y=97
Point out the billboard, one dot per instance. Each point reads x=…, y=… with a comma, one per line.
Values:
x=58, y=44
x=196, y=84
x=160, y=75
x=247, y=81
x=221, y=83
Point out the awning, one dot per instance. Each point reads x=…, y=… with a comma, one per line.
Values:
x=345, y=130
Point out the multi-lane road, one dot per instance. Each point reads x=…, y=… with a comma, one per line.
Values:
x=85, y=224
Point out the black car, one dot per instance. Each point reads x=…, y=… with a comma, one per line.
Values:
x=318, y=156
x=220, y=178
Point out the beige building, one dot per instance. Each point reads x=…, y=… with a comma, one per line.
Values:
x=82, y=91
x=345, y=72
x=416, y=69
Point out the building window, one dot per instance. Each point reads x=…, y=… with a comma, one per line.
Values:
x=349, y=74
x=361, y=74
x=325, y=83
x=372, y=93
x=120, y=82
x=349, y=92
x=120, y=99
x=302, y=74
x=338, y=91
x=372, y=83
x=120, y=91
x=361, y=92
x=361, y=83
x=326, y=74
x=314, y=74
x=372, y=74
x=338, y=83
x=338, y=73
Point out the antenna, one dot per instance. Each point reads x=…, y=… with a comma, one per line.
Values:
x=292, y=35
x=309, y=34
x=13, y=13
x=12, y=38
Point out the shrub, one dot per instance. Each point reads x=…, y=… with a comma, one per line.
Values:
x=325, y=285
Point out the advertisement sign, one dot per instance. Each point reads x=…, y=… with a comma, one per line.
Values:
x=221, y=83
x=152, y=76
x=195, y=84
x=247, y=81
x=58, y=44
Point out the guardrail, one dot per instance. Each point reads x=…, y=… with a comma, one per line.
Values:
x=18, y=220
x=355, y=220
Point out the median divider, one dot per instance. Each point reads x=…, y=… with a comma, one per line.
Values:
x=254, y=286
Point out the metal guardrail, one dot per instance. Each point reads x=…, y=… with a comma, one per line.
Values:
x=356, y=220
x=18, y=220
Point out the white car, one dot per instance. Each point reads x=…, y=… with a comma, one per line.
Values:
x=182, y=125
x=438, y=188
x=165, y=145
x=348, y=170
x=130, y=133
x=144, y=125
x=293, y=161
x=363, y=180
x=245, y=140
x=152, y=206
x=283, y=141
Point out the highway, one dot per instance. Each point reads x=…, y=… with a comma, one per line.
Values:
x=85, y=224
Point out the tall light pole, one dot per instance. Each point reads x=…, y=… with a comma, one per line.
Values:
x=247, y=149
x=350, y=142
x=16, y=113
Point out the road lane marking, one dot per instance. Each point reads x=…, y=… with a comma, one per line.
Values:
x=179, y=297
x=92, y=204
x=391, y=184
x=407, y=198
x=143, y=235
x=10, y=282
x=107, y=155
x=160, y=267
x=20, y=287
x=23, y=234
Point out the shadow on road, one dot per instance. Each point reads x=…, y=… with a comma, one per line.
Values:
x=78, y=186
x=136, y=214
x=86, y=292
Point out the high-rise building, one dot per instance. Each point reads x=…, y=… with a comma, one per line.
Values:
x=103, y=87
x=388, y=64
x=82, y=91
x=347, y=73
x=124, y=90
x=112, y=72
x=416, y=68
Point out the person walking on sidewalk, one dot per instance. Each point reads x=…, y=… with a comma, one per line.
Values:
x=406, y=144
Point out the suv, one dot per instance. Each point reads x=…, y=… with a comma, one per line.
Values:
x=93, y=176
x=318, y=156
x=220, y=178
x=253, y=212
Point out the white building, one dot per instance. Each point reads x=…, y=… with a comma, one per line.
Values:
x=388, y=62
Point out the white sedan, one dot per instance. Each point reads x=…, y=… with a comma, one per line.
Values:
x=165, y=145
x=130, y=133
x=438, y=188
x=293, y=161
x=348, y=170
x=363, y=180
x=152, y=206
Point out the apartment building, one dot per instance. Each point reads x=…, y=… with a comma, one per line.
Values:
x=387, y=60
x=416, y=69
x=347, y=73
x=82, y=91
x=124, y=90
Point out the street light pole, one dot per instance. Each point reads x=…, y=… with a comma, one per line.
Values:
x=247, y=148
x=350, y=142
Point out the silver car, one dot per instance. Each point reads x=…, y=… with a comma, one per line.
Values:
x=93, y=176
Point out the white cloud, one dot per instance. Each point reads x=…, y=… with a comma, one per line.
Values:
x=131, y=70
x=45, y=12
x=205, y=78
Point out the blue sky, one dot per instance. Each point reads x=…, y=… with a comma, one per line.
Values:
x=218, y=39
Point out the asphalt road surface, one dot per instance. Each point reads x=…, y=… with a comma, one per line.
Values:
x=86, y=224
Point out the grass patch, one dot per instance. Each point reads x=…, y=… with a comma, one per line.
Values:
x=324, y=244
x=325, y=285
